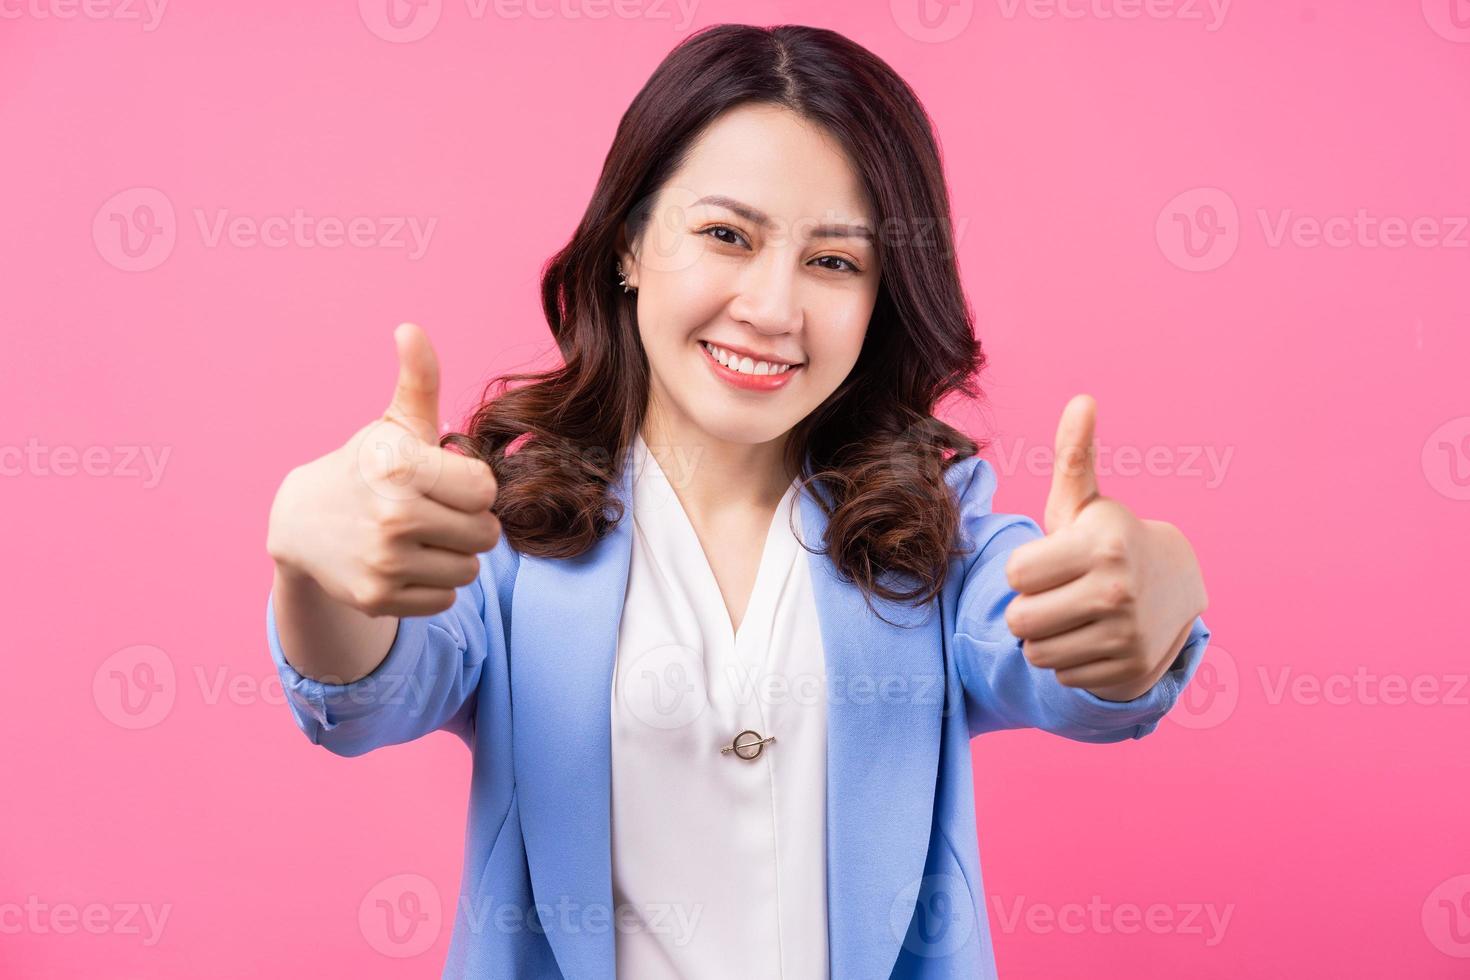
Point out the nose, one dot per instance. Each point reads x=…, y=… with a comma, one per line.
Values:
x=767, y=297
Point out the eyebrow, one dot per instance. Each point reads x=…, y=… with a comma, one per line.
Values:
x=762, y=219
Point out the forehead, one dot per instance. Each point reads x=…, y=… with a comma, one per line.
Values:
x=770, y=157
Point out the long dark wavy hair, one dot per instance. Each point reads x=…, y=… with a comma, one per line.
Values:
x=873, y=450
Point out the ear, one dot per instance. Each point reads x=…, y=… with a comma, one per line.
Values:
x=628, y=257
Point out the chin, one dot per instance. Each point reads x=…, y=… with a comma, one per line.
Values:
x=749, y=428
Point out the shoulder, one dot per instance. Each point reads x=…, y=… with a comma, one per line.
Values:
x=973, y=482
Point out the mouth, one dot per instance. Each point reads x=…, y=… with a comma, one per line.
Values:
x=746, y=372
x=739, y=360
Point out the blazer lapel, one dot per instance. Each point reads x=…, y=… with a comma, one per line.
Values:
x=885, y=699
x=564, y=632
x=885, y=687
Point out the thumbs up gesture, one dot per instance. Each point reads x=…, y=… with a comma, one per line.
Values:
x=390, y=523
x=1104, y=599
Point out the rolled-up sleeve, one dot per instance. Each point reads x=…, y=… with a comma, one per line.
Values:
x=426, y=682
x=1003, y=689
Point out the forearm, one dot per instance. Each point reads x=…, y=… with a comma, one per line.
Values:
x=324, y=639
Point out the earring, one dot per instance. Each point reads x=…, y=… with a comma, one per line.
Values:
x=623, y=280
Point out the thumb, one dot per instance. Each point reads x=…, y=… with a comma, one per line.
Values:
x=415, y=404
x=1073, y=480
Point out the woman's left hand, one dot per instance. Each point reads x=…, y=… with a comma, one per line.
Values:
x=1105, y=599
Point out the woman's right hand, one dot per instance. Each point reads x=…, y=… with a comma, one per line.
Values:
x=389, y=524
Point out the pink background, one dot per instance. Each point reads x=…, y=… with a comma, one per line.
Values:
x=1328, y=382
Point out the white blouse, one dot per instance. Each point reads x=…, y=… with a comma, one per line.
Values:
x=718, y=861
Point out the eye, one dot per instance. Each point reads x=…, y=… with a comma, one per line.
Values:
x=725, y=228
x=850, y=267
x=716, y=231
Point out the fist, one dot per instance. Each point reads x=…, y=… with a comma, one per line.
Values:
x=390, y=523
x=1105, y=599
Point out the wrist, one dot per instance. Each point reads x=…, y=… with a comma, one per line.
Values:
x=293, y=581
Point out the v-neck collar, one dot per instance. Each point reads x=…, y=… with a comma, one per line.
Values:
x=563, y=632
x=662, y=519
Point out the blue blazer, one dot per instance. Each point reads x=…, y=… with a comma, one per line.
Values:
x=520, y=668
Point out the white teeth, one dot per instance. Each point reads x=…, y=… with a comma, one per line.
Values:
x=744, y=365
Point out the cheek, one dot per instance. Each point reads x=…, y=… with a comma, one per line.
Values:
x=840, y=340
x=674, y=309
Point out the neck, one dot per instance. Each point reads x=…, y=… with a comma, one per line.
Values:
x=713, y=476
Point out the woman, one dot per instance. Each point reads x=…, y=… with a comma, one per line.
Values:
x=719, y=603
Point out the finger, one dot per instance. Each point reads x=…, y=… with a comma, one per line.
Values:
x=398, y=465
x=1038, y=615
x=1045, y=563
x=464, y=483
x=1099, y=673
x=444, y=527
x=418, y=600
x=415, y=403
x=438, y=568
x=1085, y=645
x=1073, y=479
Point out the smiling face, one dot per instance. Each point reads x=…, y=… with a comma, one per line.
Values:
x=757, y=247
